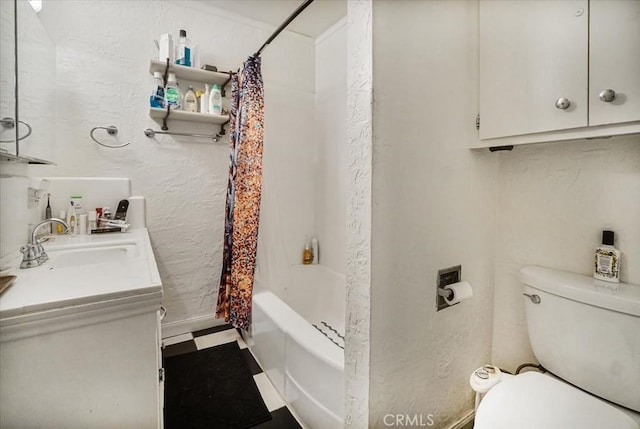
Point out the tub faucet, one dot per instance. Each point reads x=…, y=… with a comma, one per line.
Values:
x=33, y=252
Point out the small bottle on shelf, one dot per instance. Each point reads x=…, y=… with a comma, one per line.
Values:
x=307, y=253
x=204, y=100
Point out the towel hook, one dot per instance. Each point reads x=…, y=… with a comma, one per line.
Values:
x=112, y=130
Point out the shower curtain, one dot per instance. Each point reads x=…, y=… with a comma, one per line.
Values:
x=246, y=126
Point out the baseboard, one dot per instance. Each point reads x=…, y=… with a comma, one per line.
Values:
x=460, y=424
x=179, y=327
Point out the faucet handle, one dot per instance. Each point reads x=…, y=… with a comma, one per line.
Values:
x=30, y=257
x=41, y=254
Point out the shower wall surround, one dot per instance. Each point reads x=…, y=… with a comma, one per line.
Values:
x=103, y=79
x=331, y=149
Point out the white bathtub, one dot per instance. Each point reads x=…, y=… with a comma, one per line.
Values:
x=304, y=365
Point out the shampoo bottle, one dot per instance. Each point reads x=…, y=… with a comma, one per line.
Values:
x=215, y=100
x=607, y=260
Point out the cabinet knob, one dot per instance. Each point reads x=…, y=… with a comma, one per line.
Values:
x=563, y=103
x=608, y=95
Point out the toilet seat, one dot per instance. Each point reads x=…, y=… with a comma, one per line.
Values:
x=533, y=401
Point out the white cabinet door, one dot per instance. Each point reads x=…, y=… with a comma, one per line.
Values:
x=532, y=53
x=614, y=60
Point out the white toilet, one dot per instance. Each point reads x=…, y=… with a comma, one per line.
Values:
x=587, y=335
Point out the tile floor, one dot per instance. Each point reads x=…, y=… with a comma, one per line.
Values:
x=189, y=343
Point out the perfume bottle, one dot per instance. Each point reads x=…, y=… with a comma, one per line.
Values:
x=607, y=260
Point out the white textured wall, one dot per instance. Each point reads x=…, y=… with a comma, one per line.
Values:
x=359, y=199
x=103, y=52
x=554, y=201
x=434, y=205
x=15, y=216
x=331, y=148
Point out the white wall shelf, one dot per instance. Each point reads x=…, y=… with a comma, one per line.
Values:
x=182, y=115
x=189, y=73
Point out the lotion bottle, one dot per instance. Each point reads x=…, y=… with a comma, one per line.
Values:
x=190, y=101
x=607, y=260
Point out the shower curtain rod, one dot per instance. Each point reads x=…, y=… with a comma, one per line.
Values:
x=284, y=25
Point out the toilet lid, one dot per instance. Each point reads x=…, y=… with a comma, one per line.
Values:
x=533, y=401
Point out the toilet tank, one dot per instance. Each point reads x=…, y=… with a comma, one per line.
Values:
x=586, y=332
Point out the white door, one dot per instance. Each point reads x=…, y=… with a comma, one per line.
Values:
x=614, y=57
x=532, y=54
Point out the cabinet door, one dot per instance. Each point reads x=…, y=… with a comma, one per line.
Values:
x=532, y=53
x=614, y=60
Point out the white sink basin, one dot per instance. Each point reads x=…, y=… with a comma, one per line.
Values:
x=92, y=255
x=84, y=269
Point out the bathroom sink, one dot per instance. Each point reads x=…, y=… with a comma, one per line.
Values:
x=84, y=270
x=91, y=255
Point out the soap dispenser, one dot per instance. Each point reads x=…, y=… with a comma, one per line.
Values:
x=607, y=260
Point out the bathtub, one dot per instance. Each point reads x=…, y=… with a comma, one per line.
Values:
x=305, y=363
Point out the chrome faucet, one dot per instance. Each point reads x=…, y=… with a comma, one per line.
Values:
x=33, y=252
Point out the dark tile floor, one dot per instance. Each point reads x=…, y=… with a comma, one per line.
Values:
x=212, y=337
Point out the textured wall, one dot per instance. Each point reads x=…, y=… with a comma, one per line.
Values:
x=331, y=149
x=15, y=216
x=359, y=200
x=555, y=200
x=103, y=52
x=434, y=205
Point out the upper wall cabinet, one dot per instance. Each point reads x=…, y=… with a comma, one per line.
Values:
x=558, y=70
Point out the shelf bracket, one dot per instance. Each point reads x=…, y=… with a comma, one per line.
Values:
x=222, y=130
x=164, y=120
x=224, y=85
x=166, y=73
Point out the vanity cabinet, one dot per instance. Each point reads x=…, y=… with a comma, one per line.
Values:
x=80, y=339
x=545, y=68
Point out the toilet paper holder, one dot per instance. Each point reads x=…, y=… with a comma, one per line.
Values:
x=445, y=293
x=446, y=277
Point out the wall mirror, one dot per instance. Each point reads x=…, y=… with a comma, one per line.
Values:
x=33, y=110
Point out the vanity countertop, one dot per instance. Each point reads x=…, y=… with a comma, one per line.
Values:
x=86, y=270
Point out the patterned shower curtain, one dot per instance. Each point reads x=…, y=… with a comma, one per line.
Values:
x=246, y=126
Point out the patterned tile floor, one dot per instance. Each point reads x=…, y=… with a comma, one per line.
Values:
x=189, y=343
